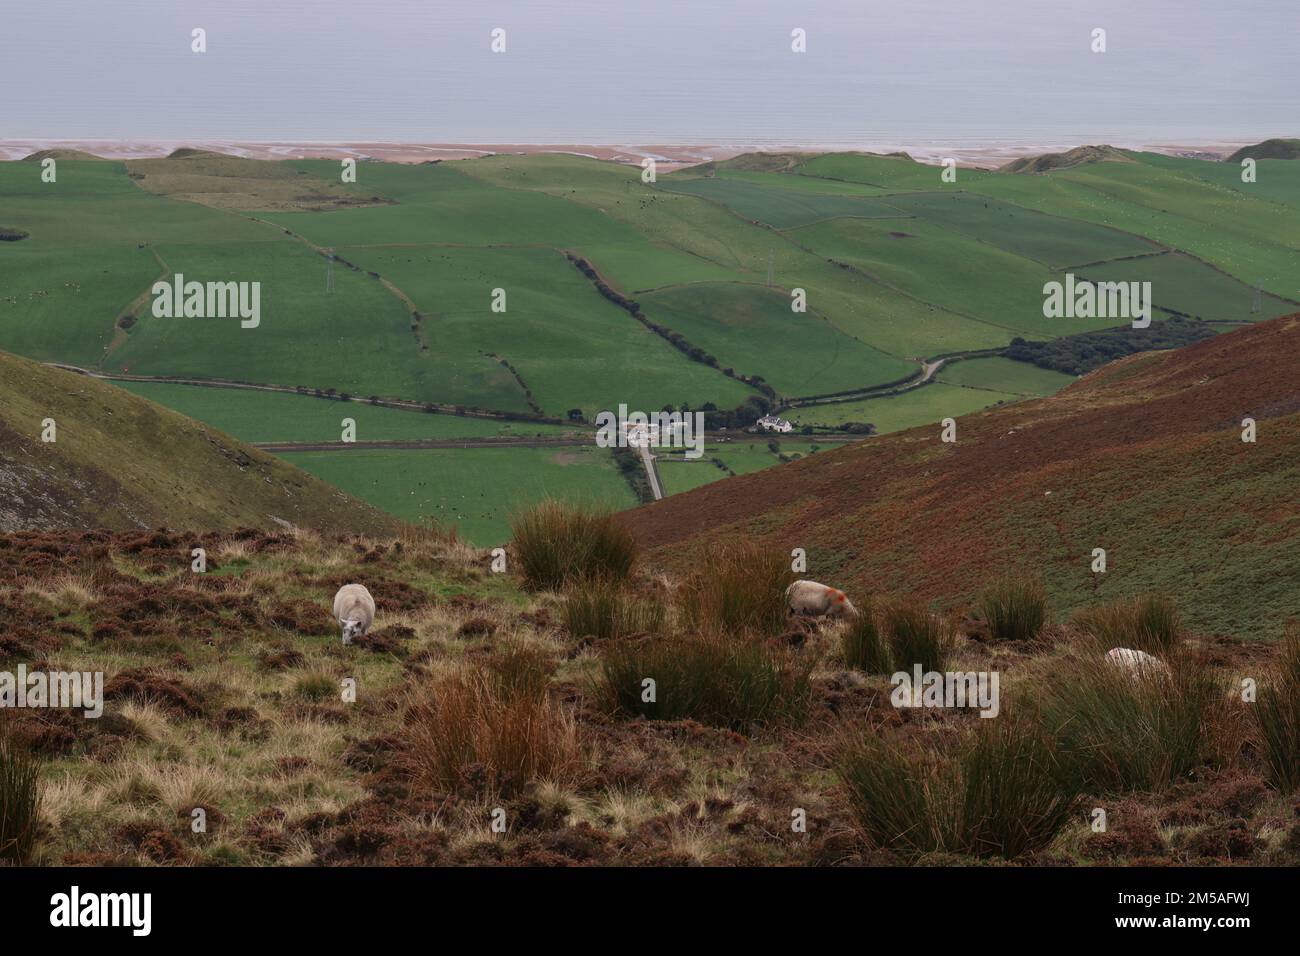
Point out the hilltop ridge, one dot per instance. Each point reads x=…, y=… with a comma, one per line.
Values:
x=121, y=462
x=1079, y=156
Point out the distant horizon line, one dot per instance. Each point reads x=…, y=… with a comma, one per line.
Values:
x=991, y=152
x=928, y=142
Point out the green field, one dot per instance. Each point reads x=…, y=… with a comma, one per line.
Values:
x=1188, y=286
x=475, y=490
x=1003, y=375
x=770, y=202
x=740, y=457
x=1051, y=240
x=927, y=405
x=755, y=331
x=896, y=266
x=272, y=417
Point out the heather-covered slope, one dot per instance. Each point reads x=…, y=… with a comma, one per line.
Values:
x=121, y=462
x=1143, y=458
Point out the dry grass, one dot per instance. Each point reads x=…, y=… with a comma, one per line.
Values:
x=604, y=611
x=1277, y=716
x=556, y=543
x=530, y=717
x=740, y=590
x=1147, y=623
x=498, y=724
x=20, y=798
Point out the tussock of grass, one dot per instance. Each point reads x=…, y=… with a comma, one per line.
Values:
x=1276, y=712
x=1001, y=794
x=316, y=686
x=521, y=670
x=1015, y=608
x=1118, y=731
x=605, y=611
x=20, y=798
x=492, y=730
x=741, y=590
x=916, y=636
x=556, y=543
x=1148, y=623
x=862, y=644
x=721, y=680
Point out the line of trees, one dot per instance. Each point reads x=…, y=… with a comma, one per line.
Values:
x=674, y=338
x=1077, y=354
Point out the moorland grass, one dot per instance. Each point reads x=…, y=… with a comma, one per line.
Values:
x=862, y=644
x=1001, y=793
x=740, y=591
x=1276, y=713
x=492, y=729
x=604, y=611
x=556, y=543
x=740, y=683
x=915, y=635
x=1120, y=731
x=20, y=798
x=1015, y=608
x=1149, y=623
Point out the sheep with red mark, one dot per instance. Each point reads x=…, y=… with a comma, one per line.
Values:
x=818, y=600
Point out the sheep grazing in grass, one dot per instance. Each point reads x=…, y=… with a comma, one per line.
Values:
x=354, y=609
x=1137, y=663
x=818, y=600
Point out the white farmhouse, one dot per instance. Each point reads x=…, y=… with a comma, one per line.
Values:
x=771, y=423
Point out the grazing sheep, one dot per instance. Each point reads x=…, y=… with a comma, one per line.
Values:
x=354, y=609
x=809, y=597
x=1137, y=663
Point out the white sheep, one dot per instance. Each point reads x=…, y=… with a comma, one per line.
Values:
x=809, y=597
x=354, y=609
x=1137, y=663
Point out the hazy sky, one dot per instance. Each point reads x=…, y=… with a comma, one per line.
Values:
x=964, y=72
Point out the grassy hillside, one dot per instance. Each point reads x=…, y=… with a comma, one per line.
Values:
x=1071, y=157
x=281, y=417
x=895, y=265
x=120, y=462
x=1269, y=149
x=473, y=490
x=230, y=699
x=1143, y=458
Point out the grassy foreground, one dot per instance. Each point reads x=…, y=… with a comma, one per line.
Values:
x=230, y=693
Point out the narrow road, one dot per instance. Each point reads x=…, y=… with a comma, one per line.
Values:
x=651, y=472
x=928, y=369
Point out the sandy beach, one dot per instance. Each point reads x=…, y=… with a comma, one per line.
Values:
x=667, y=156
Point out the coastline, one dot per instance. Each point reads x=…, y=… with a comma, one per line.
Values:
x=668, y=156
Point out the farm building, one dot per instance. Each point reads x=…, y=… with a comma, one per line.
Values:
x=771, y=423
